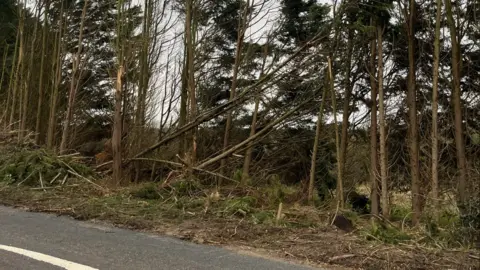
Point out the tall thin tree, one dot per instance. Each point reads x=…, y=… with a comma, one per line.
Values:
x=457, y=103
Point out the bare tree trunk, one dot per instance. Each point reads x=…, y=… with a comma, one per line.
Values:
x=340, y=200
x=117, y=120
x=117, y=130
x=57, y=77
x=11, y=95
x=253, y=126
x=313, y=164
x=375, y=198
x=4, y=66
x=457, y=104
x=412, y=115
x=242, y=27
x=383, y=135
x=18, y=68
x=190, y=32
x=182, y=150
x=73, y=85
x=346, y=102
x=23, y=123
x=40, y=84
x=436, y=67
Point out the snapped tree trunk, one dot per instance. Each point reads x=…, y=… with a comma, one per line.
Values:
x=457, y=104
x=117, y=131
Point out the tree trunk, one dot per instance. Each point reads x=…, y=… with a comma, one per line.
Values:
x=73, y=86
x=190, y=32
x=253, y=126
x=346, y=101
x=457, y=104
x=436, y=65
x=117, y=131
x=18, y=69
x=236, y=67
x=313, y=164
x=11, y=96
x=375, y=197
x=412, y=115
x=340, y=200
x=57, y=77
x=23, y=122
x=182, y=150
x=40, y=84
x=4, y=66
x=383, y=135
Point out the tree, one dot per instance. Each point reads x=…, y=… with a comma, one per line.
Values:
x=74, y=84
x=457, y=103
x=436, y=67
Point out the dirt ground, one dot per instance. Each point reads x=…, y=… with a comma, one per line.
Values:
x=316, y=245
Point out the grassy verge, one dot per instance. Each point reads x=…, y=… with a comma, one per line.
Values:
x=239, y=218
x=243, y=218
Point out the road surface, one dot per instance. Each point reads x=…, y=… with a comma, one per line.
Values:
x=43, y=242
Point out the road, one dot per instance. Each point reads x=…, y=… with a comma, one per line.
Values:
x=43, y=242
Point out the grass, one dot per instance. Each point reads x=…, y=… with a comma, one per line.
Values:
x=244, y=217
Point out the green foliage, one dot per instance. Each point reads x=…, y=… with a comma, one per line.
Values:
x=400, y=213
x=148, y=192
x=25, y=166
x=385, y=233
x=263, y=217
x=277, y=192
x=184, y=187
x=241, y=206
x=470, y=218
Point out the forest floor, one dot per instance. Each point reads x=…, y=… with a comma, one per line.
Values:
x=243, y=220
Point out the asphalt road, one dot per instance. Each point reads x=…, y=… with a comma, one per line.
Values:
x=43, y=242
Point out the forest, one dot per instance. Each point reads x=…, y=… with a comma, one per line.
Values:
x=356, y=120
